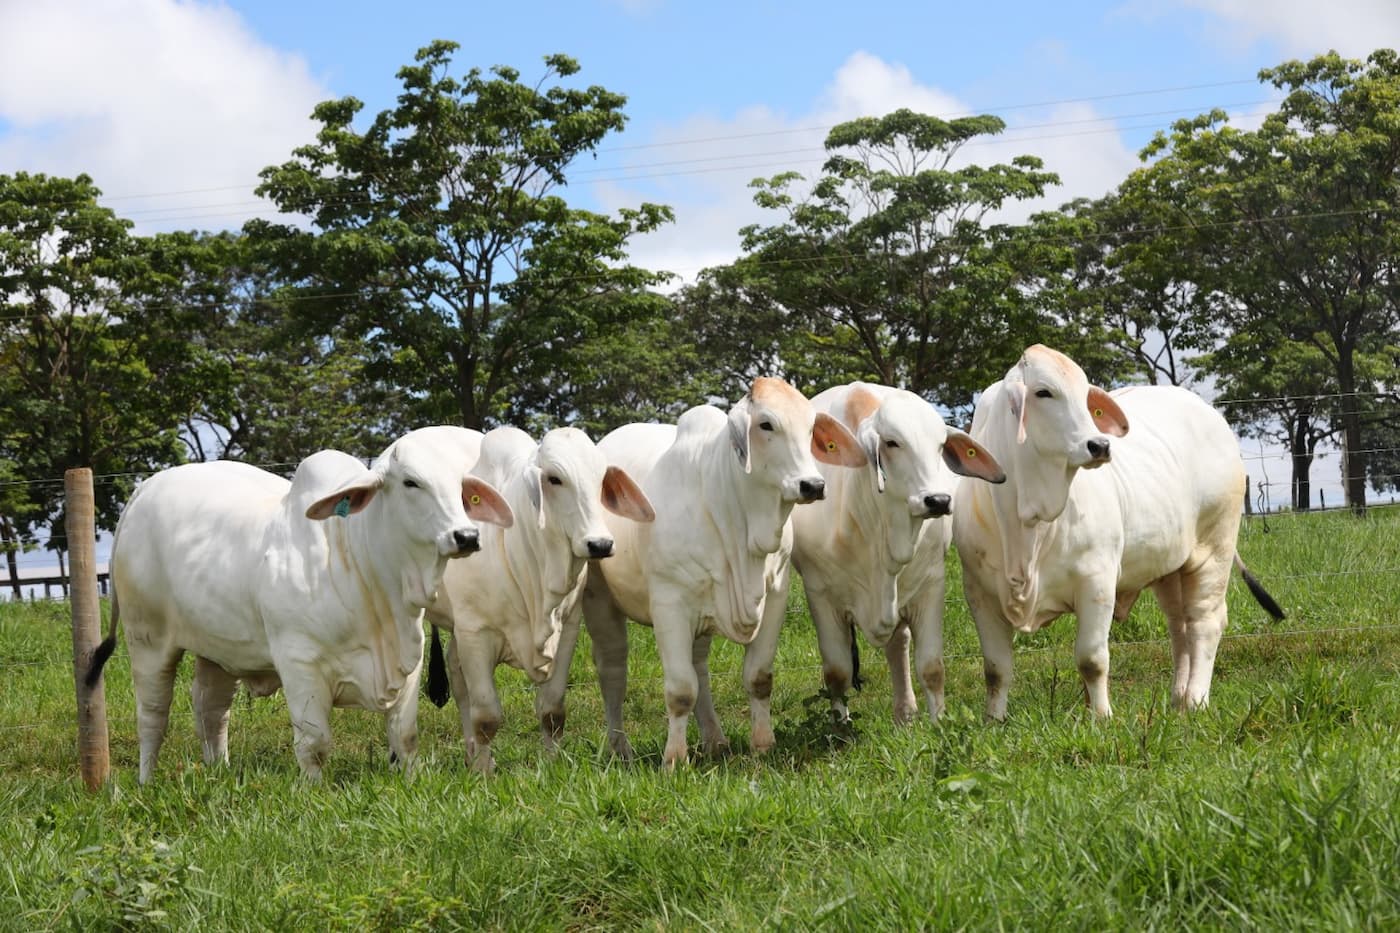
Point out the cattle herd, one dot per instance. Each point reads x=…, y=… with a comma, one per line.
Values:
x=320, y=585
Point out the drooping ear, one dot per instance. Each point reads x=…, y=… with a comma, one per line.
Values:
x=484, y=504
x=622, y=496
x=870, y=442
x=739, y=431
x=348, y=499
x=1108, y=417
x=535, y=491
x=1016, y=395
x=966, y=457
x=833, y=443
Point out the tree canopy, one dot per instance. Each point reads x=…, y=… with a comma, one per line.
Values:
x=440, y=240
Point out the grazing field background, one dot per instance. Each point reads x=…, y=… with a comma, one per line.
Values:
x=1277, y=808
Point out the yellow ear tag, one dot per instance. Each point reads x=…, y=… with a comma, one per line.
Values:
x=476, y=500
x=1098, y=412
x=971, y=452
x=831, y=446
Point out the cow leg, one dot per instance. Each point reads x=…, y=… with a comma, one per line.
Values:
x=927, y=621
x=994, y=634
x=758, y=667
x=401, y=724
x=1203, y=599
x=1094, y=603
x=549, y=697
x=607, y=629
x=675, y=638
x=712, y=737
x=834, y=643
x=1169, y=598
x=211, y=693
x=458, y=682
x=901, y=686
x=476, y=655
x=153, y=681
x=309, y=701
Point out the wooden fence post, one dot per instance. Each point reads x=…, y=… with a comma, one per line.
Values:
x=80, y=526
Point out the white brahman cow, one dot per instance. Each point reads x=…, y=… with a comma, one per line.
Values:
x=1161, y=509
x=871, y=553
x=260, y=580
x=717, y=558
x=512, y=602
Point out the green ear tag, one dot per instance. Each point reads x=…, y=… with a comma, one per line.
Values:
x=342, y=508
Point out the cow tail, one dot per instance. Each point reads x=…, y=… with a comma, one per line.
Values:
x=856, y=681
x=105, y=648
x=439, y=690
x=1262, y=595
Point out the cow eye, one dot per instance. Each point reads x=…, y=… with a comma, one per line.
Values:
x=555, y=481
x=411, y=483
x=766, y=425
x=892, y=444
x=1044, y=393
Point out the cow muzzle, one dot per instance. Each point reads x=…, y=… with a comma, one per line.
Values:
x=459, y=542
x=1099, y=452
x=806, y=489
x=935, y=505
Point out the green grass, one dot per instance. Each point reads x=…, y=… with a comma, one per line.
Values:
x=1275, y=809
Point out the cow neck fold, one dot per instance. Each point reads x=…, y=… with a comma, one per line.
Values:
x=751, y=524
x=540, y=564
x=401, y=580
x=870, y=515
x=1026, y=508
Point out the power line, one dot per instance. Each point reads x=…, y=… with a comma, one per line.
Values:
x=699, y=140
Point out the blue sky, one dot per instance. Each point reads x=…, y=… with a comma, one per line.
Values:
x=173, y=106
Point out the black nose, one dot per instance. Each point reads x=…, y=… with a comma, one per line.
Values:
x=1098, y=449
x=811, y=489
x=940, y=503
x=600, y=547
x=467, y=540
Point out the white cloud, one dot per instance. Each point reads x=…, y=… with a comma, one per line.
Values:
x=150, y=97
x=1300, y=28
x=702, y=167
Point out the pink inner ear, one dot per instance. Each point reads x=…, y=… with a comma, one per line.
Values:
x=484, y=504
x=623, y=497
x=1108, y=417
x=359, y=497
x=833, y=443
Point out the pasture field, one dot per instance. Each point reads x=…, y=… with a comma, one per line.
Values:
x=1277, y=808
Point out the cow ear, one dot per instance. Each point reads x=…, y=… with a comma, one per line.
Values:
x=1016, y=395
x=622, y=496
x=833, y=443
x=346, y=500
x=870, y=441
x=535, y=490
x=739, y=432
x=484, y=504
x=966, y=457
x=1108, y=417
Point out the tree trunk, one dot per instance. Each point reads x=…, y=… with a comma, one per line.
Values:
x=11, y=543
x=1301, y=453
x=1353, y=453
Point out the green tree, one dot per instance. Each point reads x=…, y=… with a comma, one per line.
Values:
x=440, y=241
x=1297, y=224
x=273, y=391
x=92, y=372
x=889, y=268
